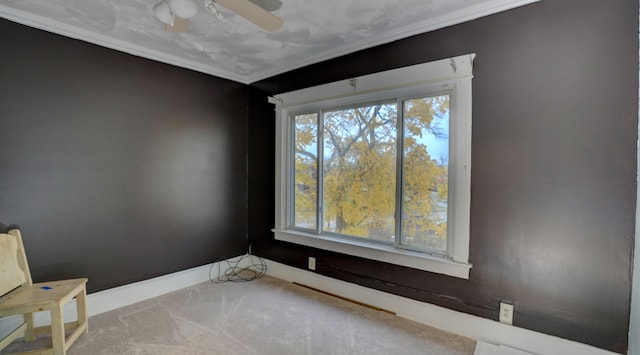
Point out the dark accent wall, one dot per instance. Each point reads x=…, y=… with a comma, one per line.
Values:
x=115, y=167
x=555, y=97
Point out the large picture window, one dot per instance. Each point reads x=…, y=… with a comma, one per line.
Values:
x=379, y=167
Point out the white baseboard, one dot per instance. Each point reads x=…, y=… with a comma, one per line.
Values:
x=117, y=297
x=477, y=328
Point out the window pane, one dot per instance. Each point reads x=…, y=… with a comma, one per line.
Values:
x=306, y=171
x=359, y=171
x=425, y=172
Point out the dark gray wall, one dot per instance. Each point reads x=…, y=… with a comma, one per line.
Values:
x=117, y=168
x=553, y=167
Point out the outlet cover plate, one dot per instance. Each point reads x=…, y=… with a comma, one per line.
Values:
x=506, y=313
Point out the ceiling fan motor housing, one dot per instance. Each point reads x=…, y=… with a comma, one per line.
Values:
x=183, y=8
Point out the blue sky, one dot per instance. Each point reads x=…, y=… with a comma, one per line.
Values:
x=438, y=148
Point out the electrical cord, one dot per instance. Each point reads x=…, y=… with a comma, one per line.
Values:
x=235, y=271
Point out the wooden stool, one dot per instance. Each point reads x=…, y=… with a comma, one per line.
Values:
x=21, y=296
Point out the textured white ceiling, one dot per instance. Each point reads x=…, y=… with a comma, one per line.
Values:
x=314, y=30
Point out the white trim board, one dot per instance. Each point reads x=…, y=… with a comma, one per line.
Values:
x=456, y=17
x=432, y=24
x=477, y=328
x=451, y=75
x=117, y=297
x=60, y=28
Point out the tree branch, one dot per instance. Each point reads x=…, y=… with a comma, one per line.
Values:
x=307, y=154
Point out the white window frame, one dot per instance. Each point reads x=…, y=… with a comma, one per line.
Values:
x=451, y=74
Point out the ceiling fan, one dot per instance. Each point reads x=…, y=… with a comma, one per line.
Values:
x=176, y=13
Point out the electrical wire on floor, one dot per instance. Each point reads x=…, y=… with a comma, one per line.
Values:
x=247, y=267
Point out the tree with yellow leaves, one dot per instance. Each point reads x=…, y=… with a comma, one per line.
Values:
x=359, y=172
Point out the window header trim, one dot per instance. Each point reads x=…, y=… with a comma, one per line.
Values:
x=432, y=72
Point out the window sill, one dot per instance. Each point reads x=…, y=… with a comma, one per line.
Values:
x=377, y=252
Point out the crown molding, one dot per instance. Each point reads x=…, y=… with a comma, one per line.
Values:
x=453, y=18
x=57, y=27
x=432, y=24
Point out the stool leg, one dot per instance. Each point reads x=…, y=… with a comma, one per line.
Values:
x=57, y=330
x=29, y=334
x=81, y=303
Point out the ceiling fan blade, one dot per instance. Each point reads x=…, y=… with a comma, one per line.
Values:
x=253, y=13
x=179, y=25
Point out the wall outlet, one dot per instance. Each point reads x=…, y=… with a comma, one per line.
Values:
x=506, y=313
x=312, y=263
